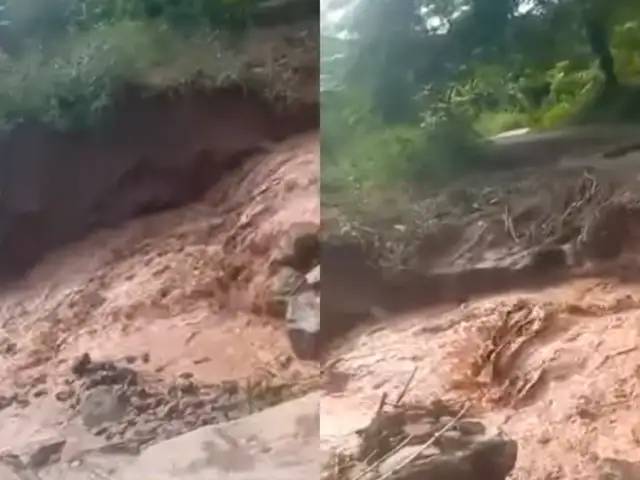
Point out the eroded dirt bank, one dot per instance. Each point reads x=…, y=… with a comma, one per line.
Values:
x=154, y=153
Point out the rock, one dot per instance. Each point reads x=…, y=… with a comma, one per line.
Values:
x=471, y=427
x=492, y=459
x=607, y=231
x=549, y=257
x=422, y=432
x=45, y=453
x=64, y=395
x=303, y=324
x=313, y=277
x=103, y=405
x=170, y=410
x=301, y=249
x=429, y=466
x=463, y=452
x=108, y=373
x=40, y=392
x=285, y=284
x=6, y=401
x=80, y=365
x=451, y=441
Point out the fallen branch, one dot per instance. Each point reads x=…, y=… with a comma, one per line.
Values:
x=402, y=444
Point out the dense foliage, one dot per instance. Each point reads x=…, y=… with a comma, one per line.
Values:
x=63, y=61
x=410, y=86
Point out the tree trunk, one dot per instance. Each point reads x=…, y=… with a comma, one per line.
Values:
x=598, y=37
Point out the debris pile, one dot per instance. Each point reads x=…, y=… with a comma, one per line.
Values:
x=296, y=295
x=120, y=405
x=427, y=442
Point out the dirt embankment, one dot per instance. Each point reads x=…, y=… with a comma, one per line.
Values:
x=513, y=297
x=154, y=153
x=528, y=226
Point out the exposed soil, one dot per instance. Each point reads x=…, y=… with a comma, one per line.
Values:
x=155, y=153
x=515, y=294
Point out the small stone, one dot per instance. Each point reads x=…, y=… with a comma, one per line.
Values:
x=187, y=387
x=141, y=406
x=9, y=348
x=451, y=441
x=186, y=375
x=421, y=432
x=313, y=277
x=103, y=405
x=131, y=359
x=146, y=358
x=120, y=448
x=100, y=431
x=6, y=401
x=157, y=402
x=140, y=393
x=64, y=395
x=46, y=453
x=303, y=324
x=81, y=364
x=230, y=387
x=40, y=379
x=190, y=421
x=192, y=404
x=445, y=420
x=396, y=460
x=201, y=360
x=40, y=392
x=471, y=427
x=170, y=410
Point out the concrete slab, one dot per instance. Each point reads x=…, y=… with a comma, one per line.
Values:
x=281, y=443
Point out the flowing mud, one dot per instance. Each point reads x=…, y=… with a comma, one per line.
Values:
x=543, y=346
x=169, y=313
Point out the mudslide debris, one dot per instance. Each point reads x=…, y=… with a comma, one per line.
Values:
x=411, y=442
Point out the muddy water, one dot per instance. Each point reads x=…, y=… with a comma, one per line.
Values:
x=157, y=288
x=565, y=383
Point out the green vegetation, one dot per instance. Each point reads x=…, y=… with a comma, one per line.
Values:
x=66, y=61
x=411, y=87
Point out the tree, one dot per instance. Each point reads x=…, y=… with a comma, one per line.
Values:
x=402, y=48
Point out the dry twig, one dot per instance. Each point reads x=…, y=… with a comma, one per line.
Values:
x=405, y=389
